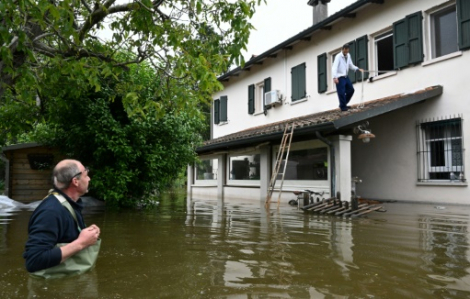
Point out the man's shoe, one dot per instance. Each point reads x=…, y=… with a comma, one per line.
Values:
x=344, y=110
x=349, y=107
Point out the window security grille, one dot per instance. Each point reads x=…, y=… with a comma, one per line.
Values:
x=441, y=150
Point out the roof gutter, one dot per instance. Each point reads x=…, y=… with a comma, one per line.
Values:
x=345, y=11
x=263, y=138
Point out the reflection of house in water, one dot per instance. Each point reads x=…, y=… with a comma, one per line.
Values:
x=253, y=247
x=446, y=244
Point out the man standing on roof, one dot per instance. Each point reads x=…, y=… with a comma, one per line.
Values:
x=58, y=219
x=341, y=67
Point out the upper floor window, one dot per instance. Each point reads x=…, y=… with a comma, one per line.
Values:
x=440, y=150
x=383, y=47
x=256, y=96
x=299, y=87
x=358, y=50
x=322, y=73
x=220, y=110
x=408, y=41
x=444, y=36
x=359, y=57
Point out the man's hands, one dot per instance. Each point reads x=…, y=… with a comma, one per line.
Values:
x=87, y=237
x=336, y=80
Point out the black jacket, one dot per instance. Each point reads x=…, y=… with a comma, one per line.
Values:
x=50, y=223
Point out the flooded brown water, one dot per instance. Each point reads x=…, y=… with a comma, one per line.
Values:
x=193, y=249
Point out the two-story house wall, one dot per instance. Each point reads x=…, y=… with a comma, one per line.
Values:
x=413, y=99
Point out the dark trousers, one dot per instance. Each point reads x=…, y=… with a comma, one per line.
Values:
x=345, y=92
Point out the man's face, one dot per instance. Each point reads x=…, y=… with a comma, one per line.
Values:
x=84, y=180
x=345, y=51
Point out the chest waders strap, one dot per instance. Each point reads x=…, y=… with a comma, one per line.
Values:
x=80, y=262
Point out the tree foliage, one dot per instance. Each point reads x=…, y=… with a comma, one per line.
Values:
x=129, y=157
x=48, y=44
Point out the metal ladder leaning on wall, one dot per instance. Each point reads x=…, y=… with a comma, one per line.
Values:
x=285, y=142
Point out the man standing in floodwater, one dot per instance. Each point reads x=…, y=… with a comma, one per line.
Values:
x=58, y=219
x=341, y=67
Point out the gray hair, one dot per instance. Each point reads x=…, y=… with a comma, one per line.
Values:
x=63, y=176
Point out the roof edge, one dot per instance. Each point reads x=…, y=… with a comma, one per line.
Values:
x=263, y=138
x=310, y=30
x=20, y=146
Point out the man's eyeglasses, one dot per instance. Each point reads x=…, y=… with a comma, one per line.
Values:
x=80, y=173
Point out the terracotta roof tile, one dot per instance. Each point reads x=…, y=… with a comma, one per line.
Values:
x=337, y=117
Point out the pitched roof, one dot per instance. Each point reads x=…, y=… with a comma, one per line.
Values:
x=330, y=121
x=306, y=34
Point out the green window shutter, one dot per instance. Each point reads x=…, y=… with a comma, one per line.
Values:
x=295, y=82
x=267, y=84
x=362, y=57
x=352, y=52
x=299, y=90
x=216, y=111
x=223, y=108
x=400, y=40
x=321, y=73
x=251, y=99
x=415, y=37
x=266, y=87
x=463, y=23
x=302, y=81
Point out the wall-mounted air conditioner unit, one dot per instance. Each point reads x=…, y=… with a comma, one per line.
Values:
x=272, y=98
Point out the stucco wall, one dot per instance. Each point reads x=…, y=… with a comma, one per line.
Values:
x=388, y=164
x=370, y=20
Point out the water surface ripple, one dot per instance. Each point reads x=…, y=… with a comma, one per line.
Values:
x=196, y=249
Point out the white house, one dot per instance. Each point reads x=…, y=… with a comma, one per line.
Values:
x=414, y=100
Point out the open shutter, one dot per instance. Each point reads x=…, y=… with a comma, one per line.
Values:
x=362, y=57
x=251, y=99
x=321, y=66
x=295, y=82
x=415, y=38
x=400, y=40
x=352, y=52
x=266, y=87
x=463, y=23
x=216, y=111
x=223, y=108
x=267, y=84
x=299, y=90
x=302, y=81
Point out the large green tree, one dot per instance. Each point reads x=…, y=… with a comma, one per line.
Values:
x=59, y=44
x=130, y=157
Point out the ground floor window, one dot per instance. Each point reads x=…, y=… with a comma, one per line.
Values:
x=440, y=150
x=244, y=167
x=206, y=169
x=306, y=165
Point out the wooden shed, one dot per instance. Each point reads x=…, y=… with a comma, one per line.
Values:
x=29, y=171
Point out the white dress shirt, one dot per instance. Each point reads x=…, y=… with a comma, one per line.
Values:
x=342, y=65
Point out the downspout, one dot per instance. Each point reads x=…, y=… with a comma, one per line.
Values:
x=332, y=164
x=285, y=75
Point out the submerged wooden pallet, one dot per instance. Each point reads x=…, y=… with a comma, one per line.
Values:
x=333, y=206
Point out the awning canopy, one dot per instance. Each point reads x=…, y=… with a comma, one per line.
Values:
x=326, y=122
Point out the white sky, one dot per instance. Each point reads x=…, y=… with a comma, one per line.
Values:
x=279, y=20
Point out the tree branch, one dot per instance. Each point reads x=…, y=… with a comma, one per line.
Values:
x=86, y=6
x=13, y=43
x=99, y=14
x=42, y=36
